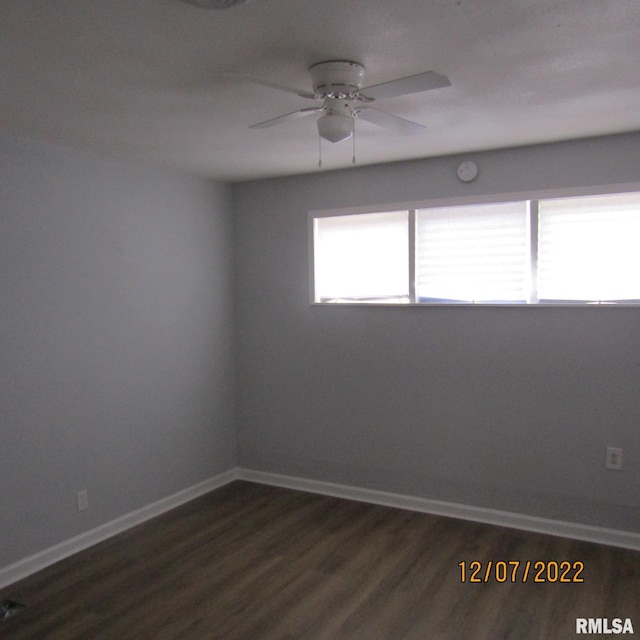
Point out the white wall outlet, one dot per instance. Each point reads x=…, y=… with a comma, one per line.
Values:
x=83, y=500
x=614, y=458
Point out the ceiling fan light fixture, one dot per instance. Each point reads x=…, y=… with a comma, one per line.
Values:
x=213, y=4
x=335, y=127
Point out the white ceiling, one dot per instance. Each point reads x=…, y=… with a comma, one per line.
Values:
x=142, y=79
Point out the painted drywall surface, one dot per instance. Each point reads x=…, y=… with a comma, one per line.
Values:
x=506, y=408
x=116, y=334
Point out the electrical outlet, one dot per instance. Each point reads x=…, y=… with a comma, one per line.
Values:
x=83, y=500
x=614, y=458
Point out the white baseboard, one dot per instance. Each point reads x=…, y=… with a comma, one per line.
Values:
x=575, y=531
x=31, y=564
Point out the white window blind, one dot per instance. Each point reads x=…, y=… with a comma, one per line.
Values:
x=477, y=253
x=362, y=257
x=589, y=248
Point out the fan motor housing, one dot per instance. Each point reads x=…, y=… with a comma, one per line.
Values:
x=337, y=79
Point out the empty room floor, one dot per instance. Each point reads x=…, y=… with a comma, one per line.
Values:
x=253, y=562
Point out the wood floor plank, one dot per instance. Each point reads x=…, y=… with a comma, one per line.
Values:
x=252, y=562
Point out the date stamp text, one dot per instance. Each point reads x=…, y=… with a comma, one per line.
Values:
x=513, y=571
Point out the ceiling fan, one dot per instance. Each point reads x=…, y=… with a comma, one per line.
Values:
x=338, y=85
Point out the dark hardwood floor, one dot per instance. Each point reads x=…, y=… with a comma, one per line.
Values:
x=251, y=562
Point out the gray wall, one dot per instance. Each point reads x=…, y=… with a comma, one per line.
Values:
x=116, y=335
x=507, y=408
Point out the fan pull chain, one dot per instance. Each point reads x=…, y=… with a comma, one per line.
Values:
x=319, y=152
x=353, y=160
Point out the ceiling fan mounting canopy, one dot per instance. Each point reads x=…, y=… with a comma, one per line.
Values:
x=340, y=79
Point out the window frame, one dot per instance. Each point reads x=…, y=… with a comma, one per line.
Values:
x=532, y=197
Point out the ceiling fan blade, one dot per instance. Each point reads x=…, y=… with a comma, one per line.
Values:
x=271, y=85
x=405, y=86
x=295, y=115
x=389, y=121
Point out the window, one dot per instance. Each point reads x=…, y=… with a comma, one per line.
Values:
x=589, y=248
x=474, y=253
x=362, y=258
x=562, y=250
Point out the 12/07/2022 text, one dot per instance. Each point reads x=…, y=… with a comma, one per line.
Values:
x=513, y=571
